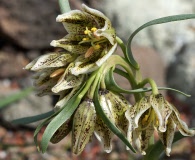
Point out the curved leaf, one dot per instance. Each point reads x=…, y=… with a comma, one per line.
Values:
x=150, y=23
x=39, y=127
x=59, y=119
x=106, y=120
x=113, y=86
x=27, y=120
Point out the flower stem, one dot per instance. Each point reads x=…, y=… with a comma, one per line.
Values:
x=152, y=84
x=64, y=6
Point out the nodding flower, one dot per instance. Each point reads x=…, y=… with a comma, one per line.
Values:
x=150, y=113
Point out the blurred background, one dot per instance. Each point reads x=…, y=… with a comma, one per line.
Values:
x=165, y=52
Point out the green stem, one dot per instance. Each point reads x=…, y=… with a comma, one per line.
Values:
x=152, y=84
x=64, y=6
x=88, y=84
x=122, y=45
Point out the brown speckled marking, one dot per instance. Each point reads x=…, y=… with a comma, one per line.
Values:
x=83, y=126
x=62, y=132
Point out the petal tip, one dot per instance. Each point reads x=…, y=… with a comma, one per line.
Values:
x=53, y=43
x=168, y=151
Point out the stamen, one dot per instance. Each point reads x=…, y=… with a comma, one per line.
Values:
x=57, y=72
x=97, y=46
x=144, y=120
x=147, y=120
x=89, y=52
x=87, y=31
x=93, y=29
x=85, y=39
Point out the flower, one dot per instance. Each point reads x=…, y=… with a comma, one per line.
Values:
x=86, y=121
x=90, y=41
x=114, y=106
x=154, y=112
x=53, y=73
x=90, y=36
x=83, y=125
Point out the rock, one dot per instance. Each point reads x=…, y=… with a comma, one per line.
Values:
x=28, y=106
x=151, y=64
x=168, y=38
x=181, y=75
x=30, y=24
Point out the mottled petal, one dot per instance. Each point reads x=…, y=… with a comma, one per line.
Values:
x=141, y=137
x=31, y=64
x=181, y=125
x=62, y=132
x=41, y=76
x=75, y=21
x=119, y=107
x=107, y=31
x=65, y=98
x=134, y=113
x=83, y=126
x=67, y=80
x=71, y=44
x=84, y=65
x=106, y=54
x=162, y=110
x=54, y=59
x=167, y=137
x=102, y=132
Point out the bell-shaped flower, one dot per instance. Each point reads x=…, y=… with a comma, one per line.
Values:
x=90, y=35
x=83, y=125
x=150, y=113
x=114, y=106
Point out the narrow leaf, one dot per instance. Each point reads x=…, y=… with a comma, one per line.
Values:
x=62, y=116
x=40, y=126
x=150, y=23
x=27, y=120
x=113, y=86
x=106, y=120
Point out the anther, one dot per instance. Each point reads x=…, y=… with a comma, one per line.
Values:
x=57, y=72
x=93, y=29
x=87, y=31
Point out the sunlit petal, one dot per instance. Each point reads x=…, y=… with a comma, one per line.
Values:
x=162, y=110
x=67, y=80
x=75, y=21
x=70, y=45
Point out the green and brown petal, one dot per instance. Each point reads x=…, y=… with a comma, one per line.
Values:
x=120, y=105
x=67, y=80
x=150, y=113
x=102, y=132
x=167, y=136
x=83, y=125
x=162, y=110
x=91, y=35
x=62, y=131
